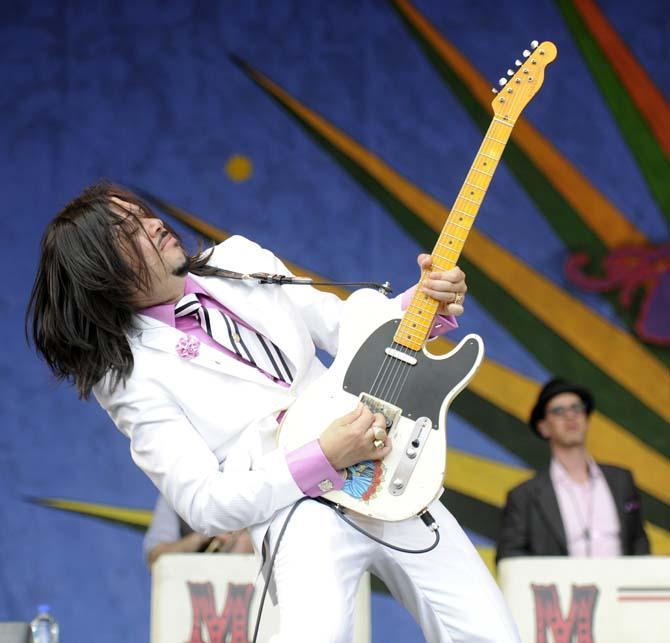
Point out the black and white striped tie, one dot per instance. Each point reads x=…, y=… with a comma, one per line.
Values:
x=247, y=344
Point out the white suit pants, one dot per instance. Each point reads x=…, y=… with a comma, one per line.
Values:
x=449, y=590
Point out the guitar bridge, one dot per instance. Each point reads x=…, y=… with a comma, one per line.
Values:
x=391, y=413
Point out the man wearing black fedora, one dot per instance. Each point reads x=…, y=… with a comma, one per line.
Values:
x=575, y=507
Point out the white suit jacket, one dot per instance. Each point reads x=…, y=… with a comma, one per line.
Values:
x=204, y=430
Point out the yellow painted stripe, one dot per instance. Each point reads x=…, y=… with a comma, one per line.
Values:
x=136, y=517
x=395, y=183
x=584, y=329
x=595, y=210
x=659, y=540
x=218, y=235
x=481, y=478
x=607, y=441
x=488, y=555
x=516, y=394
x=490, y=482
x=608, y=347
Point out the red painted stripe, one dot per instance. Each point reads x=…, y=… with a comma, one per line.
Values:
x=641, y=88
x=643, y=598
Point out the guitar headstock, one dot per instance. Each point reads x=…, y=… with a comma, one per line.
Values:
x=520, y=86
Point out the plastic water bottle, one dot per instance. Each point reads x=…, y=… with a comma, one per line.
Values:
x=44, y=627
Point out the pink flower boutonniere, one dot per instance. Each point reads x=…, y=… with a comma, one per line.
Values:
x=188, y=347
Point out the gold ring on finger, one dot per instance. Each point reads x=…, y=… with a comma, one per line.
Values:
x=458, y=299
x=378, y=444
x=379, y=432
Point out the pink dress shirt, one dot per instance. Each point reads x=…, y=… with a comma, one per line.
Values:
x=588, y=512
x=308, y=465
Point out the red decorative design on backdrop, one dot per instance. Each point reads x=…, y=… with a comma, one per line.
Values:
x=630, y=269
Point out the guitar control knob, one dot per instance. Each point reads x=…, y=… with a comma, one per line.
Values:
x=411, y=453
x=398, y=483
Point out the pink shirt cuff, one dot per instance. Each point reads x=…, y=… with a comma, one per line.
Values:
x=442, y=323
x=312, y=471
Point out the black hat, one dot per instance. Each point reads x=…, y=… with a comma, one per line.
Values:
x=552, y=389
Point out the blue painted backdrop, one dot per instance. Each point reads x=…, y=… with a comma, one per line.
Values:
x=143, y=93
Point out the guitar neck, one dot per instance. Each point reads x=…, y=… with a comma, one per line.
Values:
x=417, y=321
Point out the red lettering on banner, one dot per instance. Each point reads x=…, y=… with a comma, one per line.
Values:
x=232, y=625
x=579, y=620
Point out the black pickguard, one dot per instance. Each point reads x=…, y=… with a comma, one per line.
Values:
x=428, y=382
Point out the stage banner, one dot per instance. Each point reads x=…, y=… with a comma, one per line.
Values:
x=589, y=600
x=214, y=598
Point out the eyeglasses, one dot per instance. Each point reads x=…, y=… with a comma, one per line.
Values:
x=561, y=411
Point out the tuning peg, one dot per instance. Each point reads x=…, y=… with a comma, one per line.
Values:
x=534, y=44
x=517, y=62
x=494, y=90
x=526, y=53
x=502, y=81
x=510, y=72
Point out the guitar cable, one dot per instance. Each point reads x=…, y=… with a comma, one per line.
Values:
x=425, y=516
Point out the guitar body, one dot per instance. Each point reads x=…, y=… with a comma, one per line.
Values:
x=382, y=359
x=414, y=398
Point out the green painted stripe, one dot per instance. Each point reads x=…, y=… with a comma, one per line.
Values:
x=472, y=514
x=649, y=155
x=558, y=356
x=563, y=219
x=561, y=216
x=516, y=437
x=506, y=430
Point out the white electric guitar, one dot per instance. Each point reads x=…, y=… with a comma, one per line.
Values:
x=382, y=360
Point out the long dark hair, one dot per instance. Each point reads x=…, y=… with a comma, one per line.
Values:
x=80, y=307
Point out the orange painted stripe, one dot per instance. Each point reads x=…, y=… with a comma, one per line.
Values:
x=641, y=88
x=607, y=441
x=399, y=186
x=509, y=391
x=597, y=212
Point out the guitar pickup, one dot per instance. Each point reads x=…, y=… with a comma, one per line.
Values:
x=391, y=413
x=403, y=357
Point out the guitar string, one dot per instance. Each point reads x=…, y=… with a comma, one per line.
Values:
x=396, y=379
x=381, y=368
x=393, y=380
x=391, y=374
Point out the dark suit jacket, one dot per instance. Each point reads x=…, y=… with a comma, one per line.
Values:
x=532, y=525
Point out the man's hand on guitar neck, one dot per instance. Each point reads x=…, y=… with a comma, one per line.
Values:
x=448, y=286
x=350, y=439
